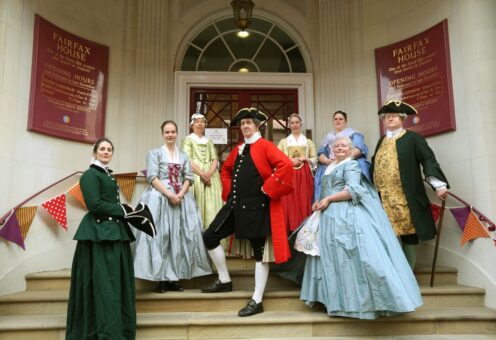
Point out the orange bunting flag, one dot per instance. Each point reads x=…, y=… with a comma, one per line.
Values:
x=56, y=208
x=75, y=192
x=473, y=229
x=25, y=217
x=127, y=182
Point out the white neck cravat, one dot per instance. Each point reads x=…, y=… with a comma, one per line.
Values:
x=391, y=134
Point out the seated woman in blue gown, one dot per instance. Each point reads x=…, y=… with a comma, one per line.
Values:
x=361, y=271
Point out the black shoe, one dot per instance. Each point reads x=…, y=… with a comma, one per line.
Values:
x=161, y=287
x=173, y=286
x=218, y=287
x=251, y=308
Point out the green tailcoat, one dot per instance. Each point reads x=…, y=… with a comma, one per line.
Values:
x=101, y=195
x=414, y=151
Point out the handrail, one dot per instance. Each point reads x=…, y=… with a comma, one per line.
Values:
x=2, y=219
x=482, y=217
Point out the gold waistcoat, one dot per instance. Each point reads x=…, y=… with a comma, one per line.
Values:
x=388, y=183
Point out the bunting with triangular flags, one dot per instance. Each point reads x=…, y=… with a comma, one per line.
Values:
x=25, y=217
x=10, y=230
x=144, y=172
x=460, y=215
x=75, y=192
x=56, y=208
x=127, y=182
x=436, y=211
x=473, y=229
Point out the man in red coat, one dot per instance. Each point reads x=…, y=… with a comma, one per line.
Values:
x=254, y=177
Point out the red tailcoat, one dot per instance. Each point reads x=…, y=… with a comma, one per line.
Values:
x=276, y=169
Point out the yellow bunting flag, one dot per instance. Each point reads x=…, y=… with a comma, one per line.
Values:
x=75, y=192
x=127, y=182
x=25, y=217
x=473, y=229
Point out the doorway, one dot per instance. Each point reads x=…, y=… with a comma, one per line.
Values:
x=220, y=105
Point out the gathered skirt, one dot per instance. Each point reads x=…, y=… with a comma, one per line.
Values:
x=177, y=251
x=298, y=205
x=102, y=292
x=361, y=271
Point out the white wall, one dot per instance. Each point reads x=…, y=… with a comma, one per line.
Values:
x=146, y=39
x=31, y=161
x=466, y=155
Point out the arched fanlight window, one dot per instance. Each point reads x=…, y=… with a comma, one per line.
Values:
x=268, y=48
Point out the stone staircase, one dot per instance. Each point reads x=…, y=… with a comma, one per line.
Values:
x=450, y=311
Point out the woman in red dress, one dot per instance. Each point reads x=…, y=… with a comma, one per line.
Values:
x=302, y=153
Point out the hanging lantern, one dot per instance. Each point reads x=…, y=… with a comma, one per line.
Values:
x=243, y=10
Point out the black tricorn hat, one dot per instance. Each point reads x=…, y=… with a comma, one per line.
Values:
x=141, y=218
x=248, y=112
x=397, y=106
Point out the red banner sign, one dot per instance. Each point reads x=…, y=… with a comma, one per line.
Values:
x=68, y=84
x=417, y=70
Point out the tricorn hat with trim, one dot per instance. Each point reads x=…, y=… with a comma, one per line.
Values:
x=141, y=218
x=397, y=106
x=248, y=112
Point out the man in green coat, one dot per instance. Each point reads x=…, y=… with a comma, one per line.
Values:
x=397, y=176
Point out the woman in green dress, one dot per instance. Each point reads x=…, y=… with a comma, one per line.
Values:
x=201, y=151
x=102, y=292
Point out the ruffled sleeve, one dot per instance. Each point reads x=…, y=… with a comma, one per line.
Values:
x=188, y=146
x=152, y=165
x=323, y=150
x=353, y=179
x=359, y=142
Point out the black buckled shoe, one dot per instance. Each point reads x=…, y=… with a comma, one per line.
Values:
x=161, y=287
x=251, y=308
x=174, y=286
x=218, y=287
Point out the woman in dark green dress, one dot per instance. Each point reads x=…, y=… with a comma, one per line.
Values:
x=102, y=293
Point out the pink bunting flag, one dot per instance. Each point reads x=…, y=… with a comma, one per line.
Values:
x=56, y=208
x=461, y=216
x=436, y=210
x=10, y=231
x=144, y=172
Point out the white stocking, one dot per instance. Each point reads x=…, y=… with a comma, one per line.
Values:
x=261, y=275
x=219, y=259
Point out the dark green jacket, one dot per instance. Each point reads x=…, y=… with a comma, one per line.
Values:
x=414, y=151
x=101, y=195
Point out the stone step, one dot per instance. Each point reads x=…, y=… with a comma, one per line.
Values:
x=272, y=324
x=242, y=279
x=241, y=272
x=192, y=300
x=389, y=337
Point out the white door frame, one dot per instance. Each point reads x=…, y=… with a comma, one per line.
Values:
x=184, y=81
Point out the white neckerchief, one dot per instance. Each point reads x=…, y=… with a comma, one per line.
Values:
x=256, y=136
x=394, y=133
x=174, y=158
x=100, y=164
x=334, y=164
x=302, y=140
x=199, y=140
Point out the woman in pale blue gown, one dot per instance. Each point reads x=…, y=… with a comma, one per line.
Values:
x=177, y=251
x=361, y=271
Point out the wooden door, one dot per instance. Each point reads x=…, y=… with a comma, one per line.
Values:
x=221, y=105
